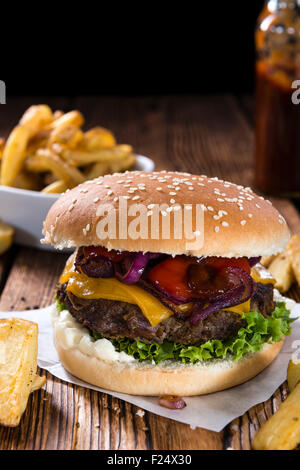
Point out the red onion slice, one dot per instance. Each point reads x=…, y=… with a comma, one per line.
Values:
x=172, y=402
x=136, y=268
x=240, y=293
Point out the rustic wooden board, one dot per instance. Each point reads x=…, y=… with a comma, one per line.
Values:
x=201, y=134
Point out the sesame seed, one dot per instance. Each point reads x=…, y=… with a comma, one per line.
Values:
x=87, y=228
x=243, y=222
x=217, y=229
x=250, y=215
x=191, y=188
x=164, y=213
x=172, y=193
x=135, y=198
x=210, y=208
x=96, y=199
x=225, y=224
x=116, y=199
x=172, y=201
x=110, y=192
x=159, y=189
x=150, y=206
x=106, y=186
x=220, y=200
x=188, y=207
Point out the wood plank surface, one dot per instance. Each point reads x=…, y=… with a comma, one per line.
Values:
x=200, y=134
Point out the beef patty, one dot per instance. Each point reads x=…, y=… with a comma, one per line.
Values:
x=115, y=319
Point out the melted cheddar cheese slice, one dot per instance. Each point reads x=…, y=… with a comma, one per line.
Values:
x=86, y=287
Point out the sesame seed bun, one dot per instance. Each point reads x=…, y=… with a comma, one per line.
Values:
x=237, y=222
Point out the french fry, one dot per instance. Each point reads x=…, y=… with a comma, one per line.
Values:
x=6, y=237
x=282, y=430
x=293, y=253
x=14, y=154
x=39, y=140
x=98, y=138
x=96, y=169
x=72, y=118
x=281, y=270
x=82, y=158
x=293, y=374
x=57, y=114
x=18, y=364
x=122, y=165
x=69, y=136
x=47, y=160
x=58, y=186
x=29, y=181
x=2, y=144
x=35, y=118
x=267, y=260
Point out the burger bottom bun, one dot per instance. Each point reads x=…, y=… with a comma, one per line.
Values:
x=178, y=379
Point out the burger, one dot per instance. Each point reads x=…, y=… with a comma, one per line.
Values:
x=164, y=293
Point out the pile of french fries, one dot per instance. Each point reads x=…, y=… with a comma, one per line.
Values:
x=49, y=152
x=285, y=267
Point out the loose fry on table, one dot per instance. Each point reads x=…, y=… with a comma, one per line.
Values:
x=293, y=374
x=6, y=237
x=14, y=154
x=82, y=158
x=281, y=270
x=293, y=253
x=18, y=364
x=46, y=160
x=98, y=138
x=35, y=118
x=58, y=186
x=282, y=430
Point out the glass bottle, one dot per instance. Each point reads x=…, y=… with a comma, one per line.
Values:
x=277, y=114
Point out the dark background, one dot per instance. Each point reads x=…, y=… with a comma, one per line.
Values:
x=190, y=47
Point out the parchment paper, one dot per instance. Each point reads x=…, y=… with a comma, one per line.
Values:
x=212, y=411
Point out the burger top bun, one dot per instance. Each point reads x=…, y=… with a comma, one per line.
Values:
x=236, y=222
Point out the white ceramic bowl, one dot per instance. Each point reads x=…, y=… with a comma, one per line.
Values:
x=26, y=210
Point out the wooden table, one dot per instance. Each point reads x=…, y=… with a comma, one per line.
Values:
x=200, y=134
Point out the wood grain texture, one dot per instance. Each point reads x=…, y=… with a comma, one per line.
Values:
x=201, y=134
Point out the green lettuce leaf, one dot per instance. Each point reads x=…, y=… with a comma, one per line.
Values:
x=251, y=338
x=59, y=305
